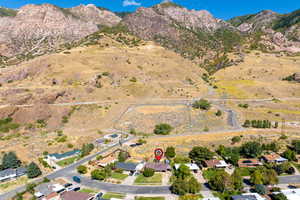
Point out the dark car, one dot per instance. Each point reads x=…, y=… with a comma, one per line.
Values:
x=76, y=179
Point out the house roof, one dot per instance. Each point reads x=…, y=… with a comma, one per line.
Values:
x=64, y=155
x=72, y=195
x=215, y=163
x=273, y=157
x=126, y=166
x=248, y=196
x=51, y=196
x=158, y=166
x=191, y=166
x=47, y=188
x=107, y=160
x=7, y=172
x=249, y=162
x=17, y=172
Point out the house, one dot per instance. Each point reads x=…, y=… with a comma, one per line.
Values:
x=106, y=161
x=291, y=194
x=45, y=189
x=192, y=166
x=215, y=163
x=249, y=163
x=8, y=174
x=61, y=156
x=52, y=196
x=158, y=167
x=248, y=196
x=130, y=167
x=274, y=158
x=71, y=195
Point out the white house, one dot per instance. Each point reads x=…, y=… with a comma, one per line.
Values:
x=192, y=166
x=291, y=194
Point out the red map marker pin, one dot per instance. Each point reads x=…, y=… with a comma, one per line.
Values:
x=158, y=154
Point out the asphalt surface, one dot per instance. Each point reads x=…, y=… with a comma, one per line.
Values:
x=126, y=189
x=289, y=179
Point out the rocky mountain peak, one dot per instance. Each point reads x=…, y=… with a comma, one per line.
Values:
x=92, y=13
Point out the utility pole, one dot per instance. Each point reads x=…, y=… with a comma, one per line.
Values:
x=282, y=126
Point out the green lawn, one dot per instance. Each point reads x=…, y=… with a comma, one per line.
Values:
x=67, y=161
x=87, y=190
x=118, y=176
x=149, y=198
x=154, y=180
x=110, y=195
x=246, y=171
x=209, y=173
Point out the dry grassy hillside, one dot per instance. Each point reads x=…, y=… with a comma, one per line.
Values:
x=107, y=70
x=260, y=76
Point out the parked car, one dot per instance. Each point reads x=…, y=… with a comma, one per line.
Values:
x=76, y=179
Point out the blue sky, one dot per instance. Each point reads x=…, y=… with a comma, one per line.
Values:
x=224, y=9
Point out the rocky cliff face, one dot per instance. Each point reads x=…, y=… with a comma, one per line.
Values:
x=37, y=29
x=185, y=31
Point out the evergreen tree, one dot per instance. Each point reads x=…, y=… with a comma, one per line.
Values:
x=257, y=177
x=33, y=170
x=237, y=180
x=10, y=160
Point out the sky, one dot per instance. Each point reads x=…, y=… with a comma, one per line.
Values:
x=223, y=9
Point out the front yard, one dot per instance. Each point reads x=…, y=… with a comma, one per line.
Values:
x=67, y=161
x=156, y=179
x=110, y=195
x=119, y=176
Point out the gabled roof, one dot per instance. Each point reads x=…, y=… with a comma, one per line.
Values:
x=158, y=166
x=64, y=155
x=7, y=172
x=274, y=157
x=248, y=196
x=72, y=195
x=126, y=166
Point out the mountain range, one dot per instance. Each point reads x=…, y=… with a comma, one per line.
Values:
x=35, y=30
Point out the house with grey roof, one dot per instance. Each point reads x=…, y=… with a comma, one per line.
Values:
x=61, y=156
x=248, y=196
x=8, y=174
x=158, y=167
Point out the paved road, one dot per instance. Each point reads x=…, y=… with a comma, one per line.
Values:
x=126, y=189
x=59, y=173
x=289, y=179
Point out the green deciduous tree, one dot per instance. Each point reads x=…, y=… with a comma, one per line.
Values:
x=221, y=181
x=251, y=149
x=163, y=129
x=199, y=154
x=290, y=155
x=98, y=174
x=170, y=152
x=81, y=169
x=202, y=104
x=148, y=172
x=183, y=172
